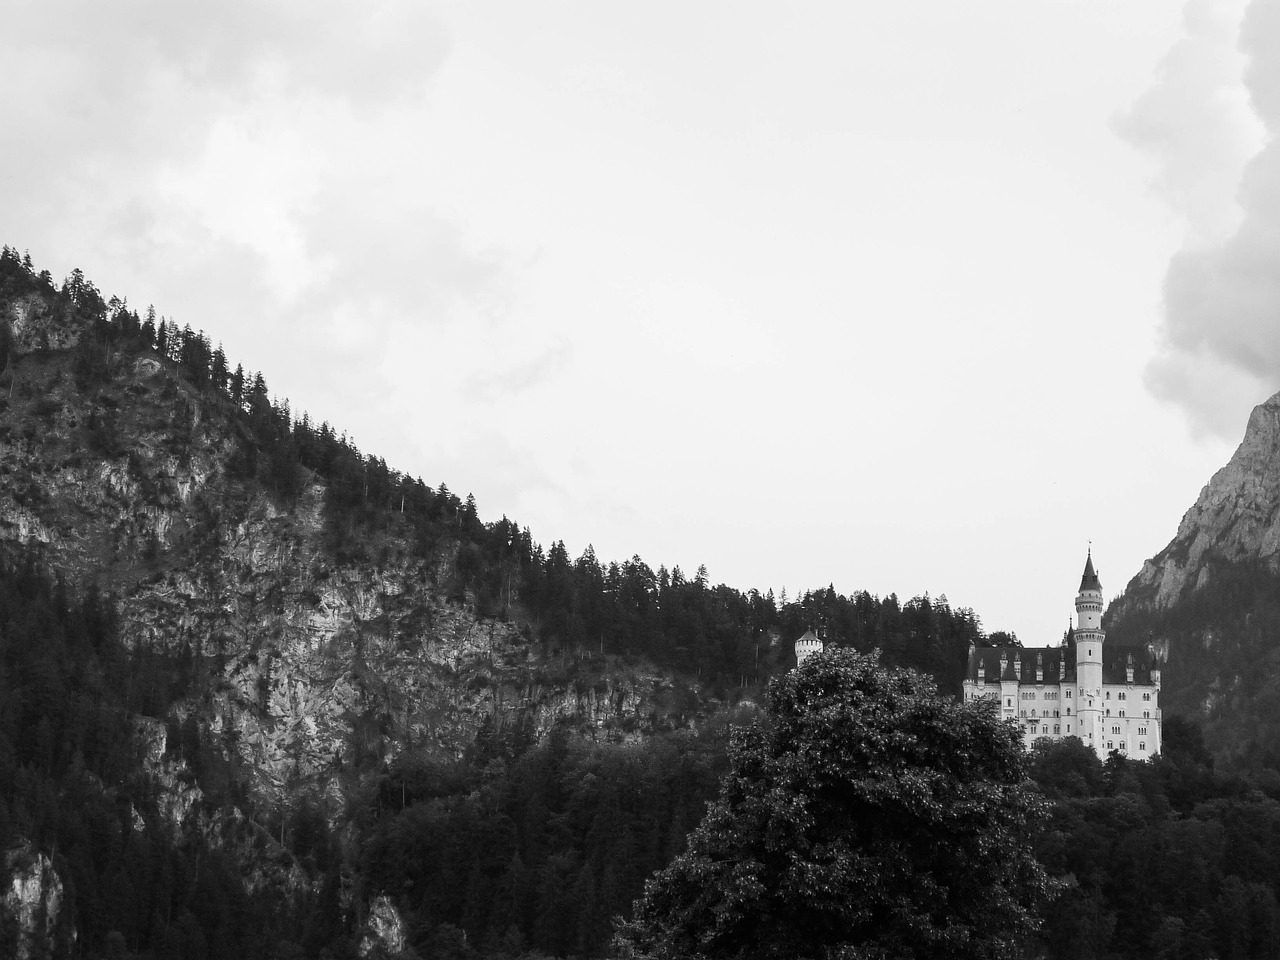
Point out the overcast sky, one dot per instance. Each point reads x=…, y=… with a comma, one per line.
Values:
x=905, y=297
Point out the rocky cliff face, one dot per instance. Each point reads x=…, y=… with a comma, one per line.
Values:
x=1211, y=598
x=35, y=326
x=319, y=664
x=34, y=900
x=1236, y=518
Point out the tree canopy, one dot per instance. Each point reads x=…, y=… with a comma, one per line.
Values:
x=865, y=817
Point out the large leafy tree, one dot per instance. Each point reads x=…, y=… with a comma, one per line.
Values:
x=865, y=817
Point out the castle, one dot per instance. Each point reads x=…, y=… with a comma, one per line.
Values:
x=1109, y=698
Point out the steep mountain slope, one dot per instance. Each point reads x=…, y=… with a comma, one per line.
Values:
x=325, y=663
x=1213, y=595
x=131, y=478
x=1236, y=518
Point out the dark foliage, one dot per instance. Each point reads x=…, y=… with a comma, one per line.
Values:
x=869, y=818
x=537, y=851
x=1224, y=662
x=1167, y=858
x=71, y=785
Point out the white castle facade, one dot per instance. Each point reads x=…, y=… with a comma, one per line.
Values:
x=1109, y=698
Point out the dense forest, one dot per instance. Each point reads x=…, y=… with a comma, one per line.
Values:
x=526, y=849
x=72, y=788
x=1227, y=665
x=1167, y=859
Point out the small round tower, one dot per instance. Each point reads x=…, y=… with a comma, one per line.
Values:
x=806, y=646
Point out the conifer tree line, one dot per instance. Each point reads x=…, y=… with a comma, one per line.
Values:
x=727, y=638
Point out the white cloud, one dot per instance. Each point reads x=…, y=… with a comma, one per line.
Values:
x=1196, y=119
x=1219, y=343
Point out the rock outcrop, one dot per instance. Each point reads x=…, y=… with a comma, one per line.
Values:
x=1237, y=517
x=1209, y=600
x=36, y=326
x=34, y=900
x=384, y=929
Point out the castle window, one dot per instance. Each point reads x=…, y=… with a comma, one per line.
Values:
x=1008, y=701
x=1142, y=746
x=1110, y=745
x=1146, y=696
x=1068, y=728
x=1055, y=728
x=1068, y=711
x=1146, y=714
x=1022, y=713
x=1033, y=711
x=1121, y=695
x=1108, y=694
x=1122, y=713
x=1068, y=694
x=1142, y=731
x=1108, y=711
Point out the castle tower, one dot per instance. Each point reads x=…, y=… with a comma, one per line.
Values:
x=806, y=646
x=1088, y=638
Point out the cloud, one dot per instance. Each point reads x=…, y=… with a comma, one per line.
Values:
x=519, y=377
x=110, y=108
x=1196, y=119
x=255, y=167
x=1219, y=348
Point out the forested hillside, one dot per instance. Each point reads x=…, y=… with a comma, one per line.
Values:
x=1211, y=599
x=75, y=792
x=724, y=636
x=328, y=663
x=1224, y=661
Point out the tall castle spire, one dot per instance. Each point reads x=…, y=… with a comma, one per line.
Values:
x=1089, y=639
x=1090, y=579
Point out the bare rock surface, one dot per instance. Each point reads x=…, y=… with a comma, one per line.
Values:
x=35, y=900
x=1236, y=517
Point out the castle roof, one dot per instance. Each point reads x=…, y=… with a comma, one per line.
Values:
x=809, y=637
x=1058, y=664
x=1090, y=579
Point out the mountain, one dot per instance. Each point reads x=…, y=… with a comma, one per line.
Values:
x=1211, y=599
x=263, y=695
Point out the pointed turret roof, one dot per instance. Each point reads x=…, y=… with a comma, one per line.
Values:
x=1090, y=579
